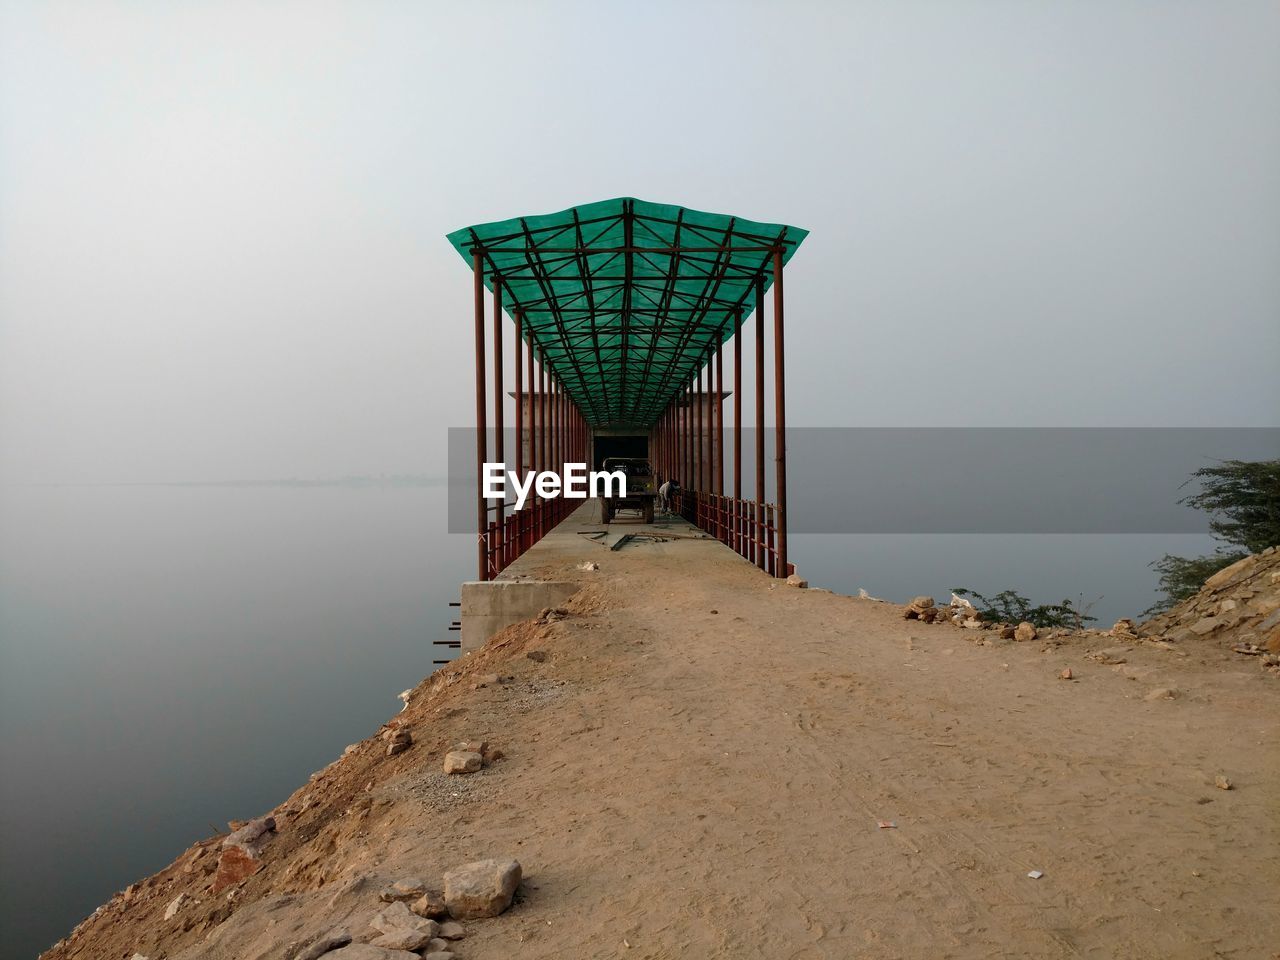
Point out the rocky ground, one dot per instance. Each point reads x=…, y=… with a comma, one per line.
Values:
x=692, y=760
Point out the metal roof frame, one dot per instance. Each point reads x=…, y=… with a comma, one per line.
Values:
x=626, y=300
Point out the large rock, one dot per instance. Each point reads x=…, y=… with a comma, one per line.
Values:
x=1227, y=574
x=1025, y=631
x=398, y=741
x=241, y=855
x=462, y=761
x=481, y=889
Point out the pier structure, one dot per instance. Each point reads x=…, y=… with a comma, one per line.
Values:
x=620, y=315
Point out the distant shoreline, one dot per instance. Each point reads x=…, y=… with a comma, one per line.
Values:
x=403, y=480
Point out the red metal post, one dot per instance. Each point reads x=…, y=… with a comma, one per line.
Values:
x=688, y=440
x=544, y=453
x=780, y=416
x=499, y=441
x=759, y=509
x=718, y=441
x=522, y=545
x=519, y=368
x=737, y=434
x=700, y=460
x=482, y=446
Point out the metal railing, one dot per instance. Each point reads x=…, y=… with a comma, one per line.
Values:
x=747, y=527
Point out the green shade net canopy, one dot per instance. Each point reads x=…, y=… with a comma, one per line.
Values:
x=626, y=300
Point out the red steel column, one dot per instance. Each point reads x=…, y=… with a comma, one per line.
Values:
x=700, y=460
x=544, y=440
x=519, y=399
x=780, y=415
x=555, y=425
x=544, y=457
x=499, y=441
x=718, y=441
x=482, y=446
x=737, y=434
x=688, y=441
x=521, y=544
x=759, y=509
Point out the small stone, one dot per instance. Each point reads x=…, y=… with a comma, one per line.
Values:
x=431, y=905
x=1161, y=693
x=1222, y=783
x=1205, y=626
x=402, y=939
x=398, y=916
x=972, y=624
x=176, y=904
x=1008, y=631
x=367, y=951
x=451, y=930
x=1124, y=627
x=1114, y=656
x=795, y=580
x=470, y=746
x=330, y=941
x=1066, y=674
x=1025, y=632
x=437, y=944
x=921, y=603
x=462, y=761
x=409, y=888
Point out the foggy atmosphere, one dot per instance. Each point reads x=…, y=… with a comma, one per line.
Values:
x=1031, y=289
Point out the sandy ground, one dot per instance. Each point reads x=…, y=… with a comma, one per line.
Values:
x=698, y=766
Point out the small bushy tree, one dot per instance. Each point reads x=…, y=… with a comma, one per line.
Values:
x=1244, y=499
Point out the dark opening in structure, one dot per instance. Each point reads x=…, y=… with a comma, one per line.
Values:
x=622, y=446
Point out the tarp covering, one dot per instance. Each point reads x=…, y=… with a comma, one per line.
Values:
x=626, y=300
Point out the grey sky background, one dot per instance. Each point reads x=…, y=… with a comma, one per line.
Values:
x=222, y=225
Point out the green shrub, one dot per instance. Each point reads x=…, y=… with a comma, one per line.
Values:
x=1011, y=607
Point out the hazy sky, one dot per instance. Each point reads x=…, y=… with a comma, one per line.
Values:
x=222, y=225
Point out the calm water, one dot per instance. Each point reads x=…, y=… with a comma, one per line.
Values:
x=174, y=657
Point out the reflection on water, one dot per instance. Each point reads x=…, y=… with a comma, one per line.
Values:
x=174, y=657
x=171, y=658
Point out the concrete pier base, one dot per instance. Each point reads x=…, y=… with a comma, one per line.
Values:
x=488, y=607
